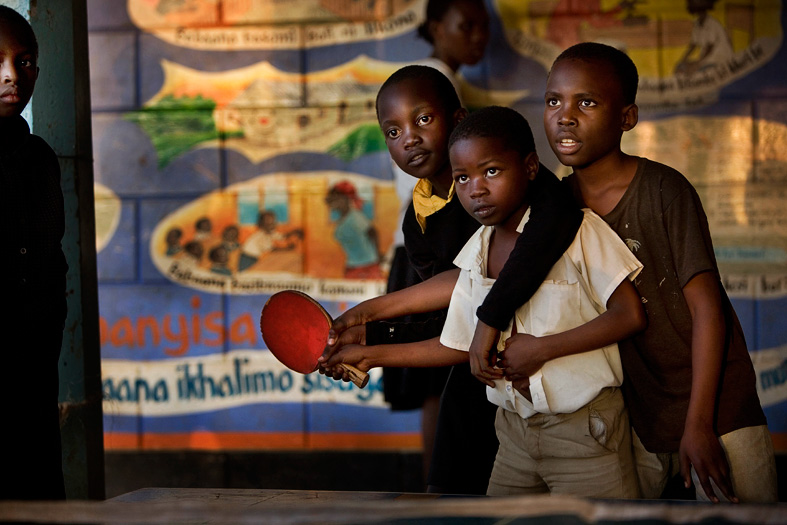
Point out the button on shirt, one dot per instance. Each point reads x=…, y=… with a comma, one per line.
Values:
x=575, y=291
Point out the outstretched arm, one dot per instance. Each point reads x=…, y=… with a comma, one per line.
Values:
x=430, y=295
x=525, y=354
x=554, y=221
x=699, y=446
x=429, y=353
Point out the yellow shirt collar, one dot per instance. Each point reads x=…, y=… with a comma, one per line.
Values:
x=425, y=202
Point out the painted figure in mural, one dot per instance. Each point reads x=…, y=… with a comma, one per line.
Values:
x=203, y=229
x=219, y=259
x=354, y=231
x=458, y=31
x=417, y=109
x=267, y=238
x=709, y=41
x=543, y=415
x=690, y=385
x=192, y=254
x=174, y=236
x=230, y=237
x=34, y=267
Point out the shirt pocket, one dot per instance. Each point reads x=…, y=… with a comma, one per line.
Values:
x=555, y=308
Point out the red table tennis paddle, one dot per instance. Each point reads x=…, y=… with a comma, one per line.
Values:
x=295, y=328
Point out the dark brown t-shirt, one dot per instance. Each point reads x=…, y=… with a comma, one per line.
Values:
x=661, y=219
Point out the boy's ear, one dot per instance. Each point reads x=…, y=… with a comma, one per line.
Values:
x=531, y=165
x=630, y=117
x=459, y=115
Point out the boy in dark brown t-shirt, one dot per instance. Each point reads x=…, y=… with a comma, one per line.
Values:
x=689, y=383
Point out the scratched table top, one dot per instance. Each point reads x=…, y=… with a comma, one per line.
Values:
x=227, y=506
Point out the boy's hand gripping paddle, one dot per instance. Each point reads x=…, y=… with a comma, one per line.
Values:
x=295, y=328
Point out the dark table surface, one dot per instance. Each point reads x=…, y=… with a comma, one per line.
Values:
x=225, y=506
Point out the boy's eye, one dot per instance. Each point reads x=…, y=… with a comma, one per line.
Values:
x=491, y=172
x=26, y=62
x=586, y=103
x=552, y=102
x=424, y=119
x=460, y=178
x=392, y=133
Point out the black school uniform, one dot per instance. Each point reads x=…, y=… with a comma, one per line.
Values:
x=34, y=267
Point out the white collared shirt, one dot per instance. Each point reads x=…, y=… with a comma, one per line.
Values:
x=575, y=291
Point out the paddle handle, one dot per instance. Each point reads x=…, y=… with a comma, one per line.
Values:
x=360, y=379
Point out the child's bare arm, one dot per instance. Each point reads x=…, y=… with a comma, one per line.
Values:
x=699, y=446
x=525, y=354
x=430, y=295
x=429, y=353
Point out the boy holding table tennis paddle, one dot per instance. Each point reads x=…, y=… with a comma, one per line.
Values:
x=417, y=108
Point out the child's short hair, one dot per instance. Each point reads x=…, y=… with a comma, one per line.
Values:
x=496, y=122
x=429, y=78
x=623, y=66
x=11, y=17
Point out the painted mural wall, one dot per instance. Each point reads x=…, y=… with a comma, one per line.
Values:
x=220, y=126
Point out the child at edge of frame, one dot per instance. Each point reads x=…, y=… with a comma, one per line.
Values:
x=690, y=385
x=417, y=108
x=560, y=420
x=34, y=268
